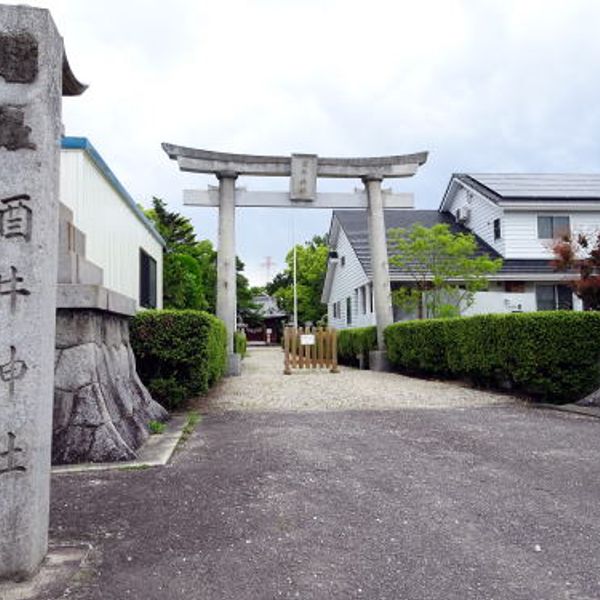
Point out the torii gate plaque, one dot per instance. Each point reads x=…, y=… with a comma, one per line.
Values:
x=303, y=171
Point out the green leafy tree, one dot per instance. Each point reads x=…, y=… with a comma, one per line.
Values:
x=183, y=285
x=247, y=310
x=311, y=268
x=190, y=266
x=187, y=262
x=446, y=269
x=175, y=229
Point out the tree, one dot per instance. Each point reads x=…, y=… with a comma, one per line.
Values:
x=445, y=269
x=190, y=265
x=187, y=263
x=175, y=229
x=247, y=310
x=581, y=253
x=311, y=268
x=182, y=283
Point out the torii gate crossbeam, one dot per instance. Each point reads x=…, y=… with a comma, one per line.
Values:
x=303, y=170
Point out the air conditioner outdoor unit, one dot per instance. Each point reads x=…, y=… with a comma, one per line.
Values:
x=463, y=214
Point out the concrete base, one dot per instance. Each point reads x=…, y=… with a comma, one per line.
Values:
x=378, y=361
x=362, y=362
x=156, y=452
x=62, y=568
x=101, y=408
x=234, y=367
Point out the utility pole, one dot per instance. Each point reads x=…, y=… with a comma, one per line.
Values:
x=295, y=273
x=268, y=266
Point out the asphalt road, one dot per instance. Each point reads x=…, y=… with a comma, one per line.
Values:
x=494, y=502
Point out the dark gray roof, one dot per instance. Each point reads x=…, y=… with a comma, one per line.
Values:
x=534, y=186
x=354, y=224
x=527, y=266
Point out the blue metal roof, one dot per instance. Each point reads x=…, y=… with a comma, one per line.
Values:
x=82, y=143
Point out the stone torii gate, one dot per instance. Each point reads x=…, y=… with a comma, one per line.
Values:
x=303, y=171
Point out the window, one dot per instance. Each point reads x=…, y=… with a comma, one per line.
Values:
x=147, y=280
x=334, y=310
x=363, y=299
x=550, y=228
x=497, y=229
x=371, y=298
x=337, y=310
x=349, y=311
x=514, y=287
x=553, y=297
x=342, y=261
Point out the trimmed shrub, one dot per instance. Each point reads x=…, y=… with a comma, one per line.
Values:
x=551, y=355
x=240, y=343
x=354, y=342
x=179, y=353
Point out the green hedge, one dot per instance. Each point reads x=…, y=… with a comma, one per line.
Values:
x=240, y=343
x=353, y=342
x=550, y=355
x=179, y=353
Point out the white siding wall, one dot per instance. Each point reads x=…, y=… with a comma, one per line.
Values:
x=483, y=213
x=114, y=234
x=522, y=235
x=499, y=301
x=346, y=281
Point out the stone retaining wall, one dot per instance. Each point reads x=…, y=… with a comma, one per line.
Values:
x=101, y=408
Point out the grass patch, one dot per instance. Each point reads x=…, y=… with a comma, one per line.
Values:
x=156, y=427
x=193, y=418
x=135, y=468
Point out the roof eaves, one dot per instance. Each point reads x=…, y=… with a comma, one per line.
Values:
x=82, y=143
x=471, y=181
x=453, y=179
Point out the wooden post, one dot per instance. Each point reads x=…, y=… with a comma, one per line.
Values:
x=286, y=349
x=293, y=347
x=320, y=355
x=334, y=368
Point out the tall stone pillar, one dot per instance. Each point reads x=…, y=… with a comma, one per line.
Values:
x=226, y=265
x=379, y=259
x=31, y=85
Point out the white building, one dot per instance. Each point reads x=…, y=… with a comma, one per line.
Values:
x=514, y=217
x=117, y=237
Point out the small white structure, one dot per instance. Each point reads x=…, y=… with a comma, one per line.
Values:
x=118, y=237
x=514, y=217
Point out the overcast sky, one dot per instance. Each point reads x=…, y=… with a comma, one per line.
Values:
x=483, y=85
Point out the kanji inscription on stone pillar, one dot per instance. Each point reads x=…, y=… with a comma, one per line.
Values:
x=12, y=371
x=11, y=285
x=16, y=217
x=10, y=461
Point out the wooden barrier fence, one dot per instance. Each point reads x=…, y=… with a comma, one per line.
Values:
x=310, y=348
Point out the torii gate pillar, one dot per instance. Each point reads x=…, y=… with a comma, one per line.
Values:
x=382, y=290
x=226, y=265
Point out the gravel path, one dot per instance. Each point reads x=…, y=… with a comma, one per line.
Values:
x=264, y=387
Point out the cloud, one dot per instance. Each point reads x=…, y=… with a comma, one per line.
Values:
x=484, y=85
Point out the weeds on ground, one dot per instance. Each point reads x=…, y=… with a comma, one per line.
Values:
x=156, y=427
x=193, y=418
x=135, y=468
